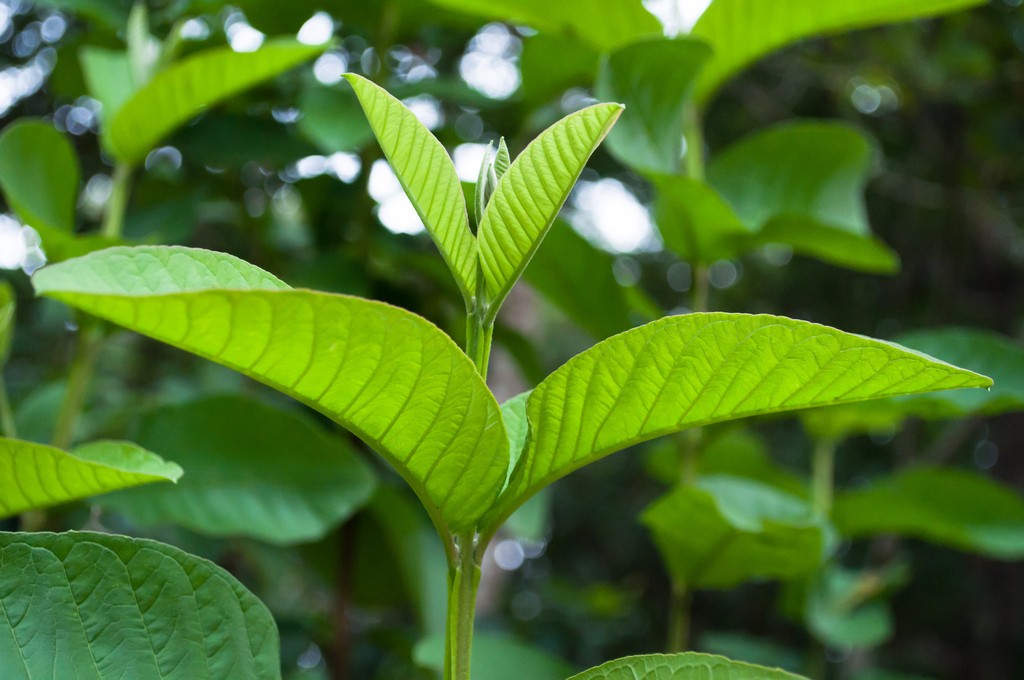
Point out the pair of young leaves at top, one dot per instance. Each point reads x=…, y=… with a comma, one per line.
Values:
x=405, y=388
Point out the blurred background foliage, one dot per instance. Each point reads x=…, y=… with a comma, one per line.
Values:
x=288, y=176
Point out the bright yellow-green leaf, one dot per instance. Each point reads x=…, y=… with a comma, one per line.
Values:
x=428, y=176
x=38, y=476
x=184, y=89
x=97, y=606
x=697, y=369
x=742, y=31
x=688, y=666
x=531, y=193
x=389, y=376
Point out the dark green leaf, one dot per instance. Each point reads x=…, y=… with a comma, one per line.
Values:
x=333, y=119
x=497, y=657
x=39, y=175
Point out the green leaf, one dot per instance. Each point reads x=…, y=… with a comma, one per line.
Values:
x=688, y=666
x=578, y=278
x=333, y=119
x=530, y=195
x=387, y=375
x=955, y=508
x=617, y=23
x=726, y=530
x=252, y=471
x=741, y=454
x=108, y=75
x=695, y=221
x=39, y=175
x=551, y=64
x=496, y=657
x=8, y=301
x=38, y=476
x=698, y=369
x=100, y=606
x=428, y=176
x=742, y=31
x=802, y=184
x=980, y=351
x=184, y=89
x=844, y=608
x=654, y=80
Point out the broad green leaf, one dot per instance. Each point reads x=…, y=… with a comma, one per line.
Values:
x=688, y=666
x=332, y=119
x=38, y=476
x=496, y=657
x=980, y=351
x=428, y=176
x=741, y=454
x=956, y=508
x=616, y=23
x=724, y=530
x=742, y=31
x=698, y=369
x=39, y=175
x=654, y=80
x=98, y=606
x=696, y=222
x=530, y=195
x=7, y=307
x=802, y=184
x=552, y=63
x=578, y=278
x=844, y=608
x=184, y=89
x=387, y=375
x=108, y=75
x=252, y=471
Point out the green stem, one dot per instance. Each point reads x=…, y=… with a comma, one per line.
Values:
x=479, y=335
x=7, y=426
x=463, y=581
x=700, y=288
x=823, y=476
x=679, y=619
x=83, y=362
x=693, y=132
x=113, y=219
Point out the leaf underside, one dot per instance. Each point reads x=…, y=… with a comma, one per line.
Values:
x=387, y=375
x=688, y=666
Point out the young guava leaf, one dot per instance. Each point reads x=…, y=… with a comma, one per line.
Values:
x=579, y=279
x=496, y=657
x=253, y=471
x=802, y=184
x=724, y=530
x=428, y=176
x=742, y=31
x=115, y=607
x=108, y=77
x=617, y=23
x=980, y=351
x=387, y=375
x=38, y=476
x=39, y=175
x=688, y=666
x=956, y=508
x=513, y=413
x=531, y=193
x=698, y=369
x=184, y=89
x=653, y=79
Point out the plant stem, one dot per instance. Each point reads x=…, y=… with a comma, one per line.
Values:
x=679, y=619
x=7, y=426
x=700, y=288
x=113, y=218
x=463, y=581
x=479, y=335
x=694, y=135
x=823, y=474
x=83, y=362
